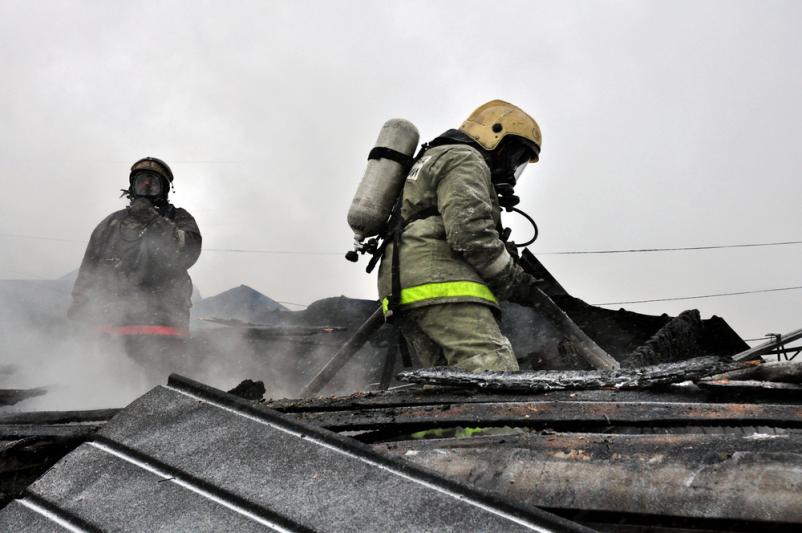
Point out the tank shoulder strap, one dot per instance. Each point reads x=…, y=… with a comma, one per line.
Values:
x=382, y=152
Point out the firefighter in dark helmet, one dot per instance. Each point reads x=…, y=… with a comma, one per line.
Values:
x=133, y=282
x=453, y=267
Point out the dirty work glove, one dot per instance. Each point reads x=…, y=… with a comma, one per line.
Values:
x=512, y=250
x=142, y=210
x=525, y=291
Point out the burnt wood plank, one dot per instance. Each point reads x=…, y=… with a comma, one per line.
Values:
x=756, y=477
x=562, y=413
x=785, y=372
x=58, y=417
x=548, y=380
x=746, y=389
x=21, y=431
x=416, y=395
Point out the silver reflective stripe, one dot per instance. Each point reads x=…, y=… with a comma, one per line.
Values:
x=182, y=238
x=499, y=263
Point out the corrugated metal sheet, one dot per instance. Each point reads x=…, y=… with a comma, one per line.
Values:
x=189, y=457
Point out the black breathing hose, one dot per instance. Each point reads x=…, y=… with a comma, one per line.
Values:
x=534, y=226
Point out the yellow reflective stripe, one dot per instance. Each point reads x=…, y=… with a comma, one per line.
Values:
x=445, y=289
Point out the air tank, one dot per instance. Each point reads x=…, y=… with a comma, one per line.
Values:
x=382, y=181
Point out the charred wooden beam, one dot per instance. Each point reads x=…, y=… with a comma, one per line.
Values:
x=58, y=417
x=53, y=424
x=562, y=414
x=416, y=395
x=548, y=380
x=752, y=478
x=580, y=342
x=344, y=354
x=784, y=372
x=45, y=431
x=748, y=388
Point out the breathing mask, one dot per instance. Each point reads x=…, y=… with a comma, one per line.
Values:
x=507, y=163
x=149, y=185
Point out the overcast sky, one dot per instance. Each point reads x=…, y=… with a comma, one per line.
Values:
x=665, y=124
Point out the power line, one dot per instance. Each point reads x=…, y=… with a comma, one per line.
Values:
x=35, y=237
x=270, y=252
x=229, y=250
x=577, y=252
x=701, y=296
x=292, y=303
x=677, y=249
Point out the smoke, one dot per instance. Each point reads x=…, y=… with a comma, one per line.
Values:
x=83, y=370
x=286, y=362
x=77, y=371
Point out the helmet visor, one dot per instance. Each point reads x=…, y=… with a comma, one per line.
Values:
x=147, y=184
x=519, y=170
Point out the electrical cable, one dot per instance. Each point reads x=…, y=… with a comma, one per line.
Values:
x=272, y=252
x=291, y=303
x=677, y=249
x=701, y=296
x=294, y=252
x=34, y=237
x=581, y=252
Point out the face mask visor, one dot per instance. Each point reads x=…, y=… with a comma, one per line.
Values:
x=514, y=157
x=147, y=184
x=518, y=171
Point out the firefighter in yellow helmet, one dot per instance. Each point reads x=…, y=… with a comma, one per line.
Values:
x=451, y=265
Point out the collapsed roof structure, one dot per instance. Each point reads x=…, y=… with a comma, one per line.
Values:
x=557, y=447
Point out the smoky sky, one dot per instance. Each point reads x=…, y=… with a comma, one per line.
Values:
x=665, y=124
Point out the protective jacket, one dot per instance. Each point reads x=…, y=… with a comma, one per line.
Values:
x=454, y=253
x=133, y=277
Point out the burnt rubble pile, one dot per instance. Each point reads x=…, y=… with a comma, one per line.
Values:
x=242, y=333
x=677, y=458
x=313, y=335
x=695, y=432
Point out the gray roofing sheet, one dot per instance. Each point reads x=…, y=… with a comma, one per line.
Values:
x=188, y=457
x=20, y=517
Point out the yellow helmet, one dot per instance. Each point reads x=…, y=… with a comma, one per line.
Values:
x=153, y=164
x=496, y=119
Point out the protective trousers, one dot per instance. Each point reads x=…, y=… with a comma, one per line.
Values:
x=465, y=335
x=159, y=356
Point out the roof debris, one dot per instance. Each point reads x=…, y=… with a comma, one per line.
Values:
x=192, y=456
x=694, y=431
x=550, y=380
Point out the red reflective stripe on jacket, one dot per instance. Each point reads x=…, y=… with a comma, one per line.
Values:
x=164, y=331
